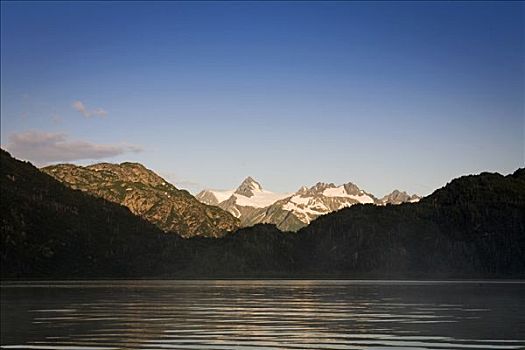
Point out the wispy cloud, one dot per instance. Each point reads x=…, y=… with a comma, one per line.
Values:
x=80, y=107
x=44, y=147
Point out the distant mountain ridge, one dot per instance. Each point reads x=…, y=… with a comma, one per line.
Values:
x=398, y=197
x=147, y=195
x=292, y=211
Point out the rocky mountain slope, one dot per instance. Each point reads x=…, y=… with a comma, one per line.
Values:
x=48, y=229
x=398, y=197
x=292, y=211
x=147, y=195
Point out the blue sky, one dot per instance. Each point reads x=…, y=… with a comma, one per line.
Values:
x=387, y=95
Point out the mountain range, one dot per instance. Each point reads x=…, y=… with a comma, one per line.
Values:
x=291, y=211
x=211, y=213
x=474, y=227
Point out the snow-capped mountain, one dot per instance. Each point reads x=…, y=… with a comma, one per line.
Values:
x=309, y=203
x=247, y=196
x=251, y=194
x=213, y=197
x=291, y=211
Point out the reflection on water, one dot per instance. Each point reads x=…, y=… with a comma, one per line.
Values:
x=263, y=315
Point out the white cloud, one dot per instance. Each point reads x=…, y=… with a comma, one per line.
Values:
x=41, y=147
x=82, y=109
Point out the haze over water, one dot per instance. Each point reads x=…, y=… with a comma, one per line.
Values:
x=263, y=315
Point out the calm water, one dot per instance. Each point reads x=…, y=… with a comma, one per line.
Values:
x=262, y=315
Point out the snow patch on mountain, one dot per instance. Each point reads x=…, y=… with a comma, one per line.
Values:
x=222, y=195
x=340, y=191
x=259, y=199
x=305, y=208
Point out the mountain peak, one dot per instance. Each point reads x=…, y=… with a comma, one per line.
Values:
x=147, y=195
x=248, y=187
x=398, y=197
x=131, y=172
x=302, y=190
x=351, y=188
x=319, y=187
x=398, y=192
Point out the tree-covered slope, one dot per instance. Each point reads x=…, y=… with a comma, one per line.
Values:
x=48, y=230
x=474, y=225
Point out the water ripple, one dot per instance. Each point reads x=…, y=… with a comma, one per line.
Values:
x=262, y=315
